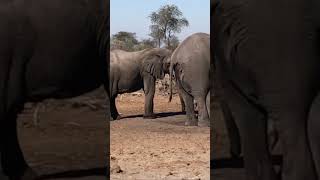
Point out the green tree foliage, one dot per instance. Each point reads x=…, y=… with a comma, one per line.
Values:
x=124, y=40
x=166, y=22
x=174, y=43
x=157, y=34
x=145, y=43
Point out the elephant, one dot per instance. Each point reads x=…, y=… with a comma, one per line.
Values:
x=266, y=62
x=132, y=71
x=167, y=71
x=190, y=63
x=233, y=131
x=313, y=132
x=48, y=49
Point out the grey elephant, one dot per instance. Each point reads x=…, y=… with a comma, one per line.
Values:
x=233, y=130
x=268, y=67
x=132, y=71
x=190, y=63
x=48, y=49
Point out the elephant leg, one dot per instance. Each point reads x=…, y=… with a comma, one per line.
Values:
x=196, y=107
x=191, y=116
x=188, y=99
x=290, y=121
x=108, y=107
x=314, y=132
x=203, y=117
x=149, y=83
x=273, y=136
x=4, y=67
x=113, y=95
x=183, y=106
x=114, y=112
x=208, y=103
x=13, y=162
x=252, y=124
x=232, y=129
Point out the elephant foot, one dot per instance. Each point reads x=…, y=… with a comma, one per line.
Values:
x=152, y=116
x=235, y=150
x=204, y=123
x=29, y=174
x=191, y=123
x=4, y=177
x=272, y=140
x=118, y=117
x=235, y=154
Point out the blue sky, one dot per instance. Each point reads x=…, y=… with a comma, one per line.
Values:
x=132, y=15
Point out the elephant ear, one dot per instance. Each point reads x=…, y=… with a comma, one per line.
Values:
x=153, y=65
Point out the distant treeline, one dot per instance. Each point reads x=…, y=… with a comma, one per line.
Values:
x=165, y=24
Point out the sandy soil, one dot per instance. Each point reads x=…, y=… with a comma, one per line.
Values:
x=161, y=148
x=69, y=142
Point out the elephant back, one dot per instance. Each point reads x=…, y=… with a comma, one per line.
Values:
x=194, y=48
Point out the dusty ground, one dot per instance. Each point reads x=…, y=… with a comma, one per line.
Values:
x=161, y=148
x=69, y=142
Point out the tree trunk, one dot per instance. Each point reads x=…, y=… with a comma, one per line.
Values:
x=168, y=40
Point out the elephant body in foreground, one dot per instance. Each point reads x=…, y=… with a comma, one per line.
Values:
x=132, y=71
x=233, y=129
x=48, y=49
x=190, y=63
x=268, y=67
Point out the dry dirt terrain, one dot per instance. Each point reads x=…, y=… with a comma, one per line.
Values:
x=69, y=142
x=162, y=148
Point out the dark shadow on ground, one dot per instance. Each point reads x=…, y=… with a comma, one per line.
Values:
x=77, y=173
x=237, y=162
x=158, y=115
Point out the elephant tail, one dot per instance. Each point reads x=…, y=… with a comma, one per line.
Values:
x=171, y=74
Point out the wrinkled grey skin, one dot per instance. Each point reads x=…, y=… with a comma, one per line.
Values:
x=166, y=70
x=233, y=131
x=313, y=132
x=190, y=63
x=268, y=67
x=48, y=49
x=232, y=127
x=132, y=71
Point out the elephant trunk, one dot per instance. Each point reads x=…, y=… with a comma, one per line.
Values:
x=170, y=85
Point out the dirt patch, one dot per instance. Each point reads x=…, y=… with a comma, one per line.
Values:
x=69, y=141
x=71, y=138
x=161, y=148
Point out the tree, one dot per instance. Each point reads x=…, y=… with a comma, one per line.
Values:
x=144, y=44
x=124, y=40
x=156, y=34
x=174, y=43
x=167, y=21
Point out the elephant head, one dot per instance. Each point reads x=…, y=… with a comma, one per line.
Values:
x=166, y=65
x=155, y=60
